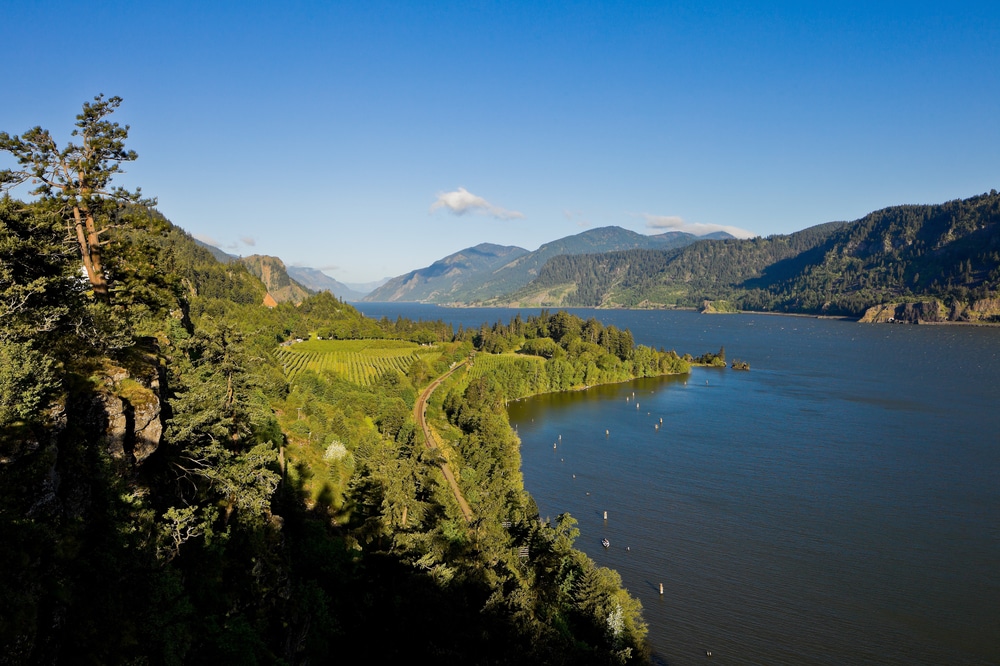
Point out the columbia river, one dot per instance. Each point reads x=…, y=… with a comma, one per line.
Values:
x=837, y=504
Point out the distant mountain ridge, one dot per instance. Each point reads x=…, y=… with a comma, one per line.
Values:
x=221, y=256
x=651, y=277
x=446, y=279
x=309, y=278
x=937, y=262
x=317, y=280
x=459, y=279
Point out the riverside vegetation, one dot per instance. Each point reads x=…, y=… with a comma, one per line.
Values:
x=178, y=487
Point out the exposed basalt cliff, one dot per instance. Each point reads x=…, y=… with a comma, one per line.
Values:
x=132, y=411
x=981, y=311
x=272, y=272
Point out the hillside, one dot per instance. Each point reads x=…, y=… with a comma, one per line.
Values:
x=173, y=490
x=310, y=278
x=221, y=256
x=481, y=282
x=946, y=253
x=442, y=281
x=272, y=272
x=677, y=277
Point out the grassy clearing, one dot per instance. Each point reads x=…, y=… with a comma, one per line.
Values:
x=358, y=361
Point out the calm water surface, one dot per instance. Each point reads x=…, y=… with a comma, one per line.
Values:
x=838, y=504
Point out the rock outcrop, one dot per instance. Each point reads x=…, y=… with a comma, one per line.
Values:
x=934, y=312
x=133, y=413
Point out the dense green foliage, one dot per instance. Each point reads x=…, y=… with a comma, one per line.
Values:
x=169, y=494
x=272, y=521
x=75, y=180
x=559, y=352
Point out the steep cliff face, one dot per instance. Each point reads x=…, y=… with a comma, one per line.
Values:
x=272, y=272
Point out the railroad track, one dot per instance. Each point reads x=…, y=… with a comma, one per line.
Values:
x=431, y=441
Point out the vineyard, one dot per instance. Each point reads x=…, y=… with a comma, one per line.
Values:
x=358, y=361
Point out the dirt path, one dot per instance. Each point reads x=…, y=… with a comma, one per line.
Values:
x=430, y=439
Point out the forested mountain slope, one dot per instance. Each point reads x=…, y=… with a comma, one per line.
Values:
x=680, y=276
x=483, y=281
x=310, y=278
x=442, y=281
x=949, y=253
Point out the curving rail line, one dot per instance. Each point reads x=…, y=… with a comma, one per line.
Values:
x=430, y=440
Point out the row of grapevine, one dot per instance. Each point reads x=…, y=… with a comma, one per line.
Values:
x=358, y=361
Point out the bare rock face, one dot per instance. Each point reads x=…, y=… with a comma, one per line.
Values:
x=933, y=311
x=147, y=430
x=133, y=414
x=985, y=309
x=907, y=313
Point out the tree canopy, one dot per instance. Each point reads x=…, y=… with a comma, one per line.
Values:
x=76, y=180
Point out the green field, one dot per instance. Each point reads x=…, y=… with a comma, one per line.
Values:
x=358, y=361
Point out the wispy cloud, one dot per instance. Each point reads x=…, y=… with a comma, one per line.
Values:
x=461, y=201
x=577, y=217
x=249, y=241
x=675, y=223
x=204, y=238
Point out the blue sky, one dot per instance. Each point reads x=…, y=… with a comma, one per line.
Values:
x=369, y=138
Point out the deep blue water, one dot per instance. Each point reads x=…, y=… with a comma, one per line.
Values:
x=838, y=504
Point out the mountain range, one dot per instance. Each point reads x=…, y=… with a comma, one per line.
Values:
x=485, y=272
x=911, y=262
x=944, y=257
x=317, y=280
x=291, y=283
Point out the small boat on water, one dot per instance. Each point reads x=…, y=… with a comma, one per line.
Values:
x=605, y=543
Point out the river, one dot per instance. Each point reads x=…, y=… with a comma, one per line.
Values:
x=838, y=504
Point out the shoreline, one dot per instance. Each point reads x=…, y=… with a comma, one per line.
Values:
x=805, y=315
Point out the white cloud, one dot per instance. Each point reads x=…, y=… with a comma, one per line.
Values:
x=675, y=223
x=577, y=217
x=461, y=201
x=245, y=240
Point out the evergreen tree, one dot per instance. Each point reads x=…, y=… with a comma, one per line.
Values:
x=75, y=181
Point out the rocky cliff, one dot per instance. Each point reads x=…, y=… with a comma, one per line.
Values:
x=982, y=311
